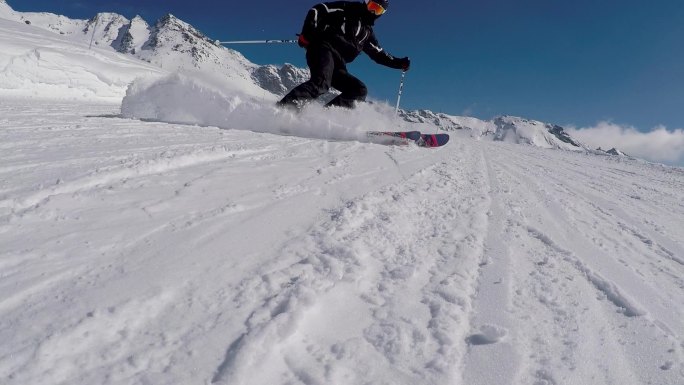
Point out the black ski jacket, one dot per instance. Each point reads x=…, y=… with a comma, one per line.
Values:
x=347, y=28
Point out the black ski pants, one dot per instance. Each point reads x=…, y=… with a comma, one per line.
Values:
x=327, y=70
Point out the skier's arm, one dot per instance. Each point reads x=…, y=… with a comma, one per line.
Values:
x=316, y=25
x=316, y=21
x=380, y=56
x=311, y=23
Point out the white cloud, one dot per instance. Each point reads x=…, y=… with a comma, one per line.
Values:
x=657, y=145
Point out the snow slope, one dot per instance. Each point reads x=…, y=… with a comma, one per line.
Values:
x=222, y=241
x=144, y=252
x=40, y=64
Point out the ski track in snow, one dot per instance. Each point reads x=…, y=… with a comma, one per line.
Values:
x=140, y=252
x=565, y=241
x=356, y=269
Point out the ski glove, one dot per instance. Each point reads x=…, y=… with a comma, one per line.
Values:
x=404, y=63
x=302, y=41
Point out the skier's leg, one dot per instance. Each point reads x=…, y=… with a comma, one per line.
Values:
x=321, y=64
x=351, y=87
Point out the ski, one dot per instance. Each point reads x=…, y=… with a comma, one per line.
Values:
x=406, y=137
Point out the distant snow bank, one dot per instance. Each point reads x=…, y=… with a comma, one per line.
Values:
x=199, y=99
x=38, y=63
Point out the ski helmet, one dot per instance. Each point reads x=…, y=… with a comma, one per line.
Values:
x=377, y=7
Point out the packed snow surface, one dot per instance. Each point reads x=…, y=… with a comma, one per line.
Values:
x=180, y=231
x=146, y=252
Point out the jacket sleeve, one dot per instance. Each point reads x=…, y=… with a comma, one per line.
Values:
x=314, y=22
x=318, y=18
x=317, y=25
x=377, y=54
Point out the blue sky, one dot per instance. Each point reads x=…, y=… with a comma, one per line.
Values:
x=566, y=62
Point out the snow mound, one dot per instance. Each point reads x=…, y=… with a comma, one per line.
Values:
x=37, y=63
x=518, y=130
x=203, y=100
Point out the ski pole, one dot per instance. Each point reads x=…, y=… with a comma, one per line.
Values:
x=401, y=90
x=283, y=41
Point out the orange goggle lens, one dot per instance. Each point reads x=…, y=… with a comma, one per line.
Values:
x=375, y=8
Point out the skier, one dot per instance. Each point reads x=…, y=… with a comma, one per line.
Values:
x=333, y=35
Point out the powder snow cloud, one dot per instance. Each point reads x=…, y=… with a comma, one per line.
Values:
x=658, y=145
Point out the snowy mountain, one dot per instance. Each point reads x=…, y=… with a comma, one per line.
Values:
x=170, y=44
x=503, y=128
x=518, y=130
x=166, y=224
x=612, y=151
x=103, y=29
x=133, y=36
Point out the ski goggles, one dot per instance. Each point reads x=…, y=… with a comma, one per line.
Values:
x=375, y=8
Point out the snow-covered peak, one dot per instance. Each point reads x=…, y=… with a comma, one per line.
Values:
x=279, y=80
x=173, y=34
x=133, y=36
x=169, y=21
x=443, y=121
x=503, y=128
x=6, y=12
x=105, y=28
x=519, y=130
x=613, y=151
x=104, y=20
x=48, y=21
